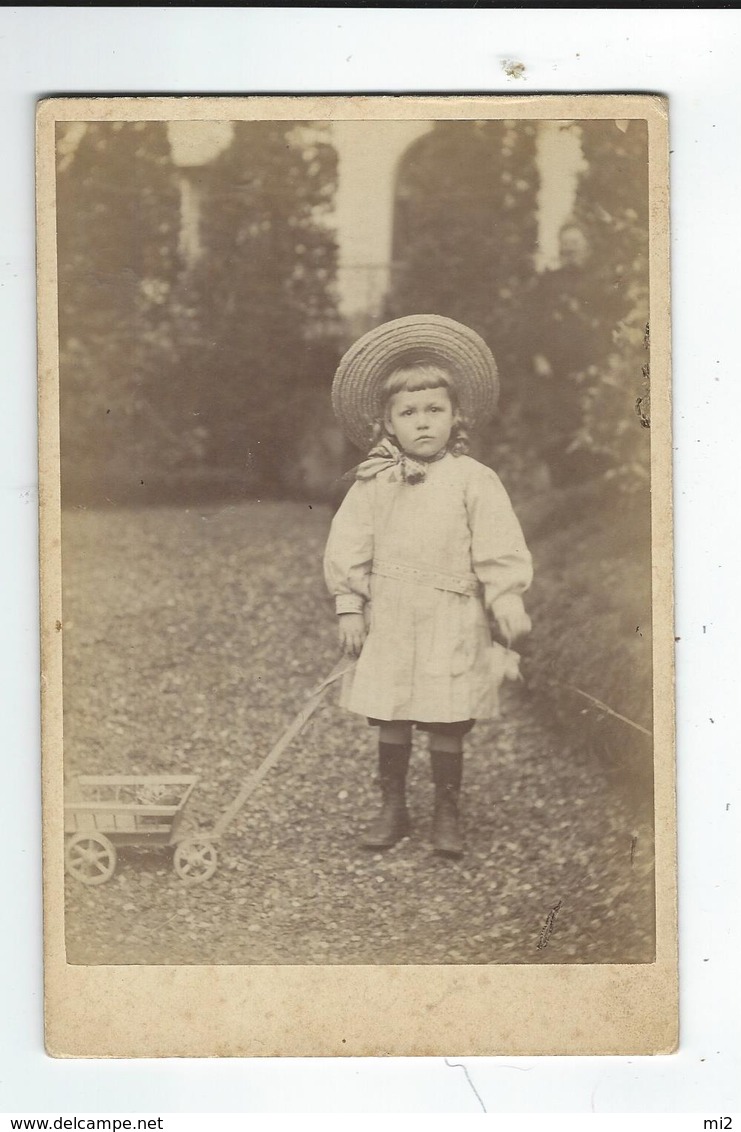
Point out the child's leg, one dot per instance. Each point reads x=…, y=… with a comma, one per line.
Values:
x=398, y=733
x=446, y=744
x=394, y=749
x=446, y=756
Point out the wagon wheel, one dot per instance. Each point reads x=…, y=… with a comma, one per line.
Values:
x=90, y=858
x=195, y=859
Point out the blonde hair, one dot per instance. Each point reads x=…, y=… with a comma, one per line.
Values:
x=410, y=377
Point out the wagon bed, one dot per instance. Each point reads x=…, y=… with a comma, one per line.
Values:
x=129, y=807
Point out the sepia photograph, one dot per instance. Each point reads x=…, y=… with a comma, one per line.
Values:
x=352, y=459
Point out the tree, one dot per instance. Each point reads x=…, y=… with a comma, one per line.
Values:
x=264, y=317
x=116, y=244
x=612, y=209
x=465, y=230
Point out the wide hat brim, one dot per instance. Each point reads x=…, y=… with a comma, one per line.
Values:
x=357, y=389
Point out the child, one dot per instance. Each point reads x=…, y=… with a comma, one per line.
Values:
x=423, y=550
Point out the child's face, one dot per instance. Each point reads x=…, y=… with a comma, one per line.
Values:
x=421, y=421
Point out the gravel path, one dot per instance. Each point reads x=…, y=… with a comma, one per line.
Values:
x=191, y=637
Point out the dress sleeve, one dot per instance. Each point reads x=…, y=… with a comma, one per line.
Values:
x=499, y=556
x=348, y=557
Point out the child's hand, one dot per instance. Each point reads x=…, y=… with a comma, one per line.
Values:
x=511, y=618
x=352, y=632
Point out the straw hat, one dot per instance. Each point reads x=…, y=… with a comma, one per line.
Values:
x=358, y=382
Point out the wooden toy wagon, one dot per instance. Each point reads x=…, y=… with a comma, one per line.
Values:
x=102, y=812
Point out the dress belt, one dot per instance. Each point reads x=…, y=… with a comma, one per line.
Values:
x=438, y=579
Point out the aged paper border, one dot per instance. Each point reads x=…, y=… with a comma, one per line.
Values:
x=229, y=1011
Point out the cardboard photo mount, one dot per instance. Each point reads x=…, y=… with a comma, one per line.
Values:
x=338, y=1011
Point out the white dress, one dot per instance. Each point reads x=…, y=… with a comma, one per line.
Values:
x=425, y=562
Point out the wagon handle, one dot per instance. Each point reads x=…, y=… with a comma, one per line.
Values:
x=314, y=699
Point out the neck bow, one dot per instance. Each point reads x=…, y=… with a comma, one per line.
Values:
x=385, y=455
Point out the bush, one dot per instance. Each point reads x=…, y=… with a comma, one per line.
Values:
x=591, y=611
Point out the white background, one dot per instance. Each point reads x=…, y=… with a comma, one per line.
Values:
x=693, y=57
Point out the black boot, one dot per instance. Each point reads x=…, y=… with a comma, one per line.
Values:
x=393, y=821
x=447, y=772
